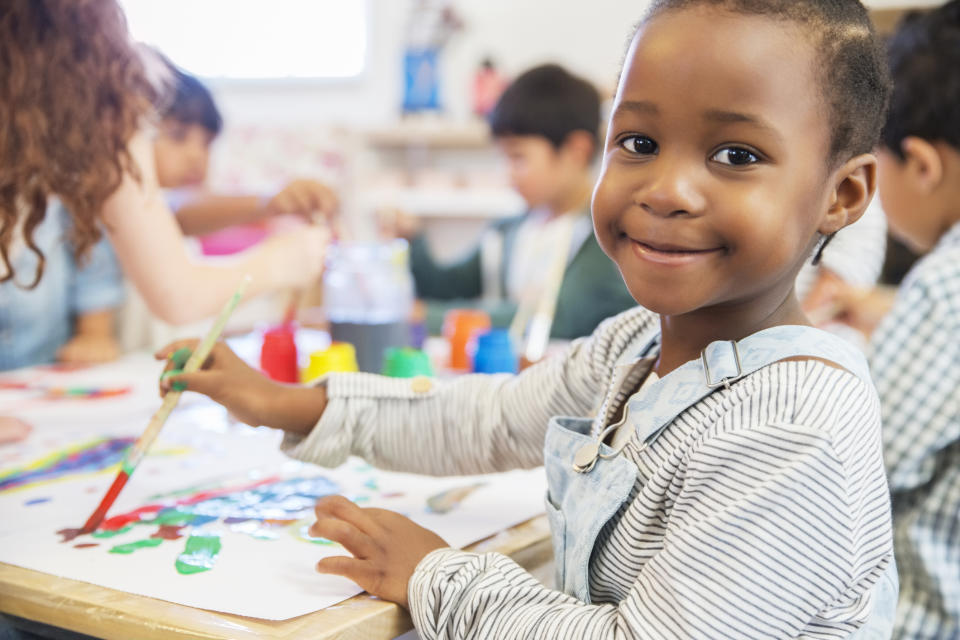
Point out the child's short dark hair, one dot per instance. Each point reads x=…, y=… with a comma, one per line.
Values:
x=924, y=56
x=547, y=101
x=856, y=84
x=190, y=102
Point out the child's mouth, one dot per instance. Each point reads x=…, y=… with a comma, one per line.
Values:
x=670, y=254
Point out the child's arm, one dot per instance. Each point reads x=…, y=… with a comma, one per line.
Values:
x=96, y=290
x=472, y=424
x=177, y=288
x=209, y=213
x=94, y=339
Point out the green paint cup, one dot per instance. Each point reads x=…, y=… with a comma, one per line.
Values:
x=406, y=362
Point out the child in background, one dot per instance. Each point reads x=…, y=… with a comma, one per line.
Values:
x=546, y=124
x=69, y=315
x=915, y=350
x=744, y=499
x=190, y=122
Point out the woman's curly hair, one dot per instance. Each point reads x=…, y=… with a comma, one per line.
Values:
x=73, y=91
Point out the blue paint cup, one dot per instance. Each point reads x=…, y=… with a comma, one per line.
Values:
x=494, y=353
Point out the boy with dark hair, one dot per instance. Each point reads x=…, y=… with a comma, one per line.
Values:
x=546, y=124
x=190, y=122
x=915, y=356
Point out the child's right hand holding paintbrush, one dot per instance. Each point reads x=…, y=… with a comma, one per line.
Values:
x=245, y=392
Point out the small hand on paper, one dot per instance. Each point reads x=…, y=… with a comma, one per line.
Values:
x=386, y=546
x=248, y=394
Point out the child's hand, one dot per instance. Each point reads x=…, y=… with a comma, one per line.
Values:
x=12, y=429
x=304, y=197
x=89, y=349
x=396, y=223
x=386, y=546
x=225, y=378
x=863, y=309
x=297, y=257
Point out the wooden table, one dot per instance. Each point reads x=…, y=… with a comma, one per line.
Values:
x=106, y=613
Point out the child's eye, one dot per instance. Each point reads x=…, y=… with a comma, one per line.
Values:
x=735, y=156
x=640, y=145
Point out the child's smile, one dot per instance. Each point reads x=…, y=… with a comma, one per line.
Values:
x=715, y=178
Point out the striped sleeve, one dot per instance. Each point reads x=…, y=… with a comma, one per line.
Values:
x=762, y=516
x=471, y=424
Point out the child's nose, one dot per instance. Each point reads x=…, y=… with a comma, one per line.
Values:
x=672, y=189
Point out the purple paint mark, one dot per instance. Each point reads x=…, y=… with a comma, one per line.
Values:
x=91, y=456
x=30, y=503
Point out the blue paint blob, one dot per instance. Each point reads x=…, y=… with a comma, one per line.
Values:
x=30, y=503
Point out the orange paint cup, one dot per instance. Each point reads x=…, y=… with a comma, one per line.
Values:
x=459, y=327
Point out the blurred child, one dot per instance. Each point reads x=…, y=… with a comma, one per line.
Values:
x=731, y=484
x=915, y=350
x=69, y=315
x=546, y=124
x=189, y=124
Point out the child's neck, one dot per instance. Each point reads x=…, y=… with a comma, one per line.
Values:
x=575, y=198
x=683, y=337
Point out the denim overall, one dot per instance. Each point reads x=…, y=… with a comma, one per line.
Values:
x=588, y=482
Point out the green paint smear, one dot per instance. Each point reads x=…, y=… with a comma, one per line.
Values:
x=126, y=466
x=174, y=517
x=139, y=544
x=199, y=554
x=111, y=532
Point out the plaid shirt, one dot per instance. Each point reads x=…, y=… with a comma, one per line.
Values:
x=916, y=366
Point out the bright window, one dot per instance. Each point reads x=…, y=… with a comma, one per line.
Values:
x=253, y=39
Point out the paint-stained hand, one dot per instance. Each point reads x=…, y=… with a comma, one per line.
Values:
x=386, y=546
x=225, y=378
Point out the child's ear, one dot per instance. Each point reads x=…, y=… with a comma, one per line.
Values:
x=580, y=144
x=922, y=162
x=856, y=182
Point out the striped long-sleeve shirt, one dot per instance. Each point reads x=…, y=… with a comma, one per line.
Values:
x=915, y=362
x=761, y=512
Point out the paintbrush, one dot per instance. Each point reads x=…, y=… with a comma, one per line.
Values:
x=138, y=449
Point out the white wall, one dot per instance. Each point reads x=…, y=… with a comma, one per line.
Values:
x=587, y=36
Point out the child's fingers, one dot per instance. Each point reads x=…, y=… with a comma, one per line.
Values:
x=350, y=568
x=170, y=349
x=353, y=540
x=342, y=509
x=205, y=382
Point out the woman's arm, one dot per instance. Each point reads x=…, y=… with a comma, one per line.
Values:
x=178, y=288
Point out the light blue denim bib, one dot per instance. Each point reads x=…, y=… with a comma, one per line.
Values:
x=589, y=482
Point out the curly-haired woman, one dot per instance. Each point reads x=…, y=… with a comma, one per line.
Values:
x=76, y=100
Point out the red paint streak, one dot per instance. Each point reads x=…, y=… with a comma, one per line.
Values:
x=86, y=545
x=97, y=517
x=69, y=534
x=168, y=532
x=121, y=520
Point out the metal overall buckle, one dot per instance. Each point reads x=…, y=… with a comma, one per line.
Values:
x=725, y=381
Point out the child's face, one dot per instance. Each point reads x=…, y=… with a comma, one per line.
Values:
x=715, y=178
x=904, y=204
x=540, y=172
x=181, y=152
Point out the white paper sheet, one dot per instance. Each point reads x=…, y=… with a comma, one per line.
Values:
x=201, y=449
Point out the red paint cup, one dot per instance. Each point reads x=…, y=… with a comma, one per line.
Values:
x=459, y=327
x=278, y=355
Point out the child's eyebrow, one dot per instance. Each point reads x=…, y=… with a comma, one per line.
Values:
x=638, y=106
x=735, y=117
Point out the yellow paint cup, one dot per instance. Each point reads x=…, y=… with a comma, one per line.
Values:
x=340, y=356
